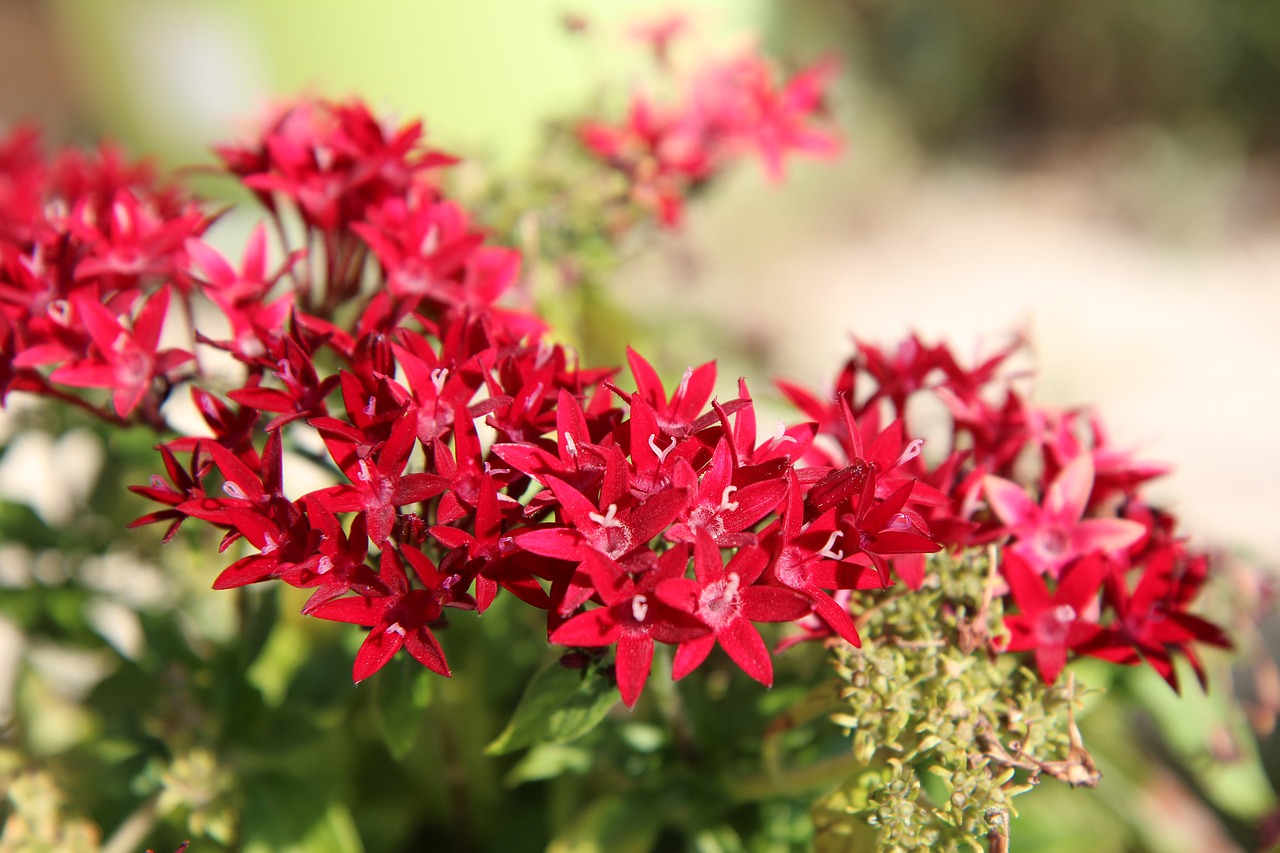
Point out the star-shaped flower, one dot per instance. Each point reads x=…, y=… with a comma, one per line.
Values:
x=1052, y=533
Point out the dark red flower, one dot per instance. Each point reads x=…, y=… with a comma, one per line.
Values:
x=633, y=617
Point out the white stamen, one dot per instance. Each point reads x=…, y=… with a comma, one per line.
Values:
x=661, y=453
x=324, y=159
x=124, y=219
x=234, y=491
x=430, y=241
x=271, y=544
x=157, y=482
x=639, y=608
x=394, y=628
x=59, y=311
x=731, y=584
x=365, y=475
x=826, y=549
x=489, y=469
x=912, y=451
x=727, y=505
x=438, y=377
x=1064, y=613
x=57, y=209
x=545, y=351
x=33, y=263
x=609, y=519
x=370, y=407
x=569, y=446
x=780, y=434
x=535, y=397
x=324, y=566
x=684, y=382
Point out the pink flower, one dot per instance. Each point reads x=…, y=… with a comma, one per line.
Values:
x=1054, y=532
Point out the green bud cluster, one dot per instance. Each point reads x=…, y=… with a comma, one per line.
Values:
x=946, y=730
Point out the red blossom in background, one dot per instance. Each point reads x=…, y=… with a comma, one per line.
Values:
x=127, y=361
x=665, y=149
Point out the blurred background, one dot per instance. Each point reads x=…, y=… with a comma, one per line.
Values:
x=1100, y=174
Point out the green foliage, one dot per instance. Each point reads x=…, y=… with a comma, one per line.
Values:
x=558, y=706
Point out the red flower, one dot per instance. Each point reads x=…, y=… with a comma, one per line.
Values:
x=775, y=121
x=399, y=619
x=803, y=560
x=1051, y=625
x=379, y=487
x=1151, y=622
x=633, y=616
x=128, y=361
x=683, y=414
x=727, y=600
x=621, y=532
x=721, y=507
x=242, y=296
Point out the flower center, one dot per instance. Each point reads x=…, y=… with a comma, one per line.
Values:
x=1053, y=542
x=719, y=604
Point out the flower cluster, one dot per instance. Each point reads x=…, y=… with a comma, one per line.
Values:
x=473, y=457
x=91, y=250
x=584, y=499
x=1087, y=566
x=668, y=147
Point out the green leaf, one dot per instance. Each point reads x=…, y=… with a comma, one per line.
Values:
x=547, y=761
x=612, y=824
x=559, y=705
x=404, y=689
x=1189, y=721
x=282, y=816
x=721, y=839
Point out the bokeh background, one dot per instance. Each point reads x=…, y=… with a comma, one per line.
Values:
x=1101, y=175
